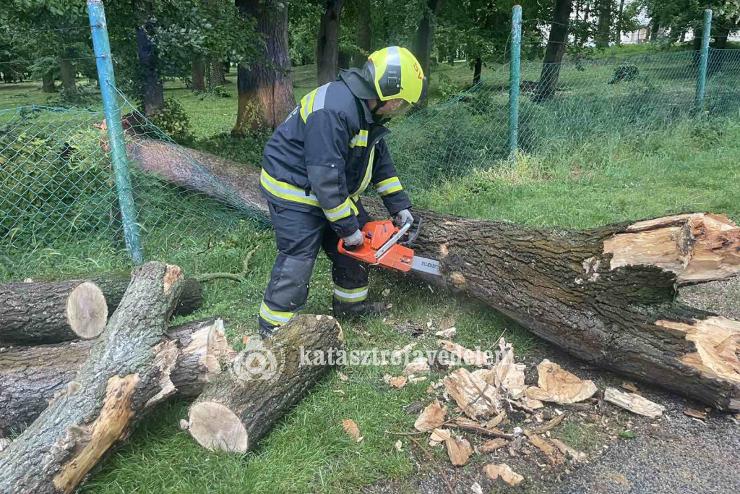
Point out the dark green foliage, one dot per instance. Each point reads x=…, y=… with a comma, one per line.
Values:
x=625, y=72
x=247, y=149
x=173, y=121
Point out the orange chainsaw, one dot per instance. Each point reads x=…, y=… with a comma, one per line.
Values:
x=386, y=245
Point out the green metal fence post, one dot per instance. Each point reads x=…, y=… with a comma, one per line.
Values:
x=515, y=77
x=106, y=78
x=701, y=82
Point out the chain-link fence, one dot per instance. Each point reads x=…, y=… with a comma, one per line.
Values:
x=561, y=106
x=58, y=194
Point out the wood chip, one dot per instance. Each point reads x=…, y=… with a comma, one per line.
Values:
x=431, y=417
x=631, y=387
x=495, y=421
x=459, y=450
x=447, y=333
x=508, y=374
x=492, y=445
x=549, y=425
x=350, y=427
x=475, y=488
x=470, y=357
x=438, y=436
x=503, y=471
x=343, y=377
x=571, y=453
x=419, y=365
x=557, y=385
x=4, y=442
x=633, y=403
x=694, y=413
x=395, y=354
x=397, y=382
x=475, y=397
x=552, y=453
x=398, y=446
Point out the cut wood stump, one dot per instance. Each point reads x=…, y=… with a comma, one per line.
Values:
x=56, y=311
x=265, y=380
x=605, y=295
x=32, y=376
x=128, y=371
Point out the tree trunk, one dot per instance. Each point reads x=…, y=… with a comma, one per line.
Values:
x=265, y=381
x=620, y=12
x=216, y=74
x=198, y=71
x=32, y=376
x=425, y=38
x=556, y=44
x=327, y=42
x=50, y=312
x=68, y=72
x=128, y=372
x=153, y=89
x=265, y=88
x=603, y=26
x=477, y=68
x=47, y=82
x=364, y=30
x=654, y=29
x=605, y=295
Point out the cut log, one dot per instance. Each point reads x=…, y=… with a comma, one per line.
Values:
x=32, y=376
x=127, y=372
x=606, y=295
x=51, y=312
x=265, y=380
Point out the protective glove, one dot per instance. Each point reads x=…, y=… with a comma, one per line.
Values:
x=402, y=217
x=353, y=240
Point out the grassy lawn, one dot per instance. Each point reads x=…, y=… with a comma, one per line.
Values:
x=691, y=165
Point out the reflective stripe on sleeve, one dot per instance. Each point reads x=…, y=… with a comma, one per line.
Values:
x=342, y=211
x=286, y=191
x=350, y=294
x=274, y=317
x=313, y=101
x=388, y=186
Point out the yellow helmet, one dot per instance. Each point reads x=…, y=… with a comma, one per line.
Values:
x=395, y=72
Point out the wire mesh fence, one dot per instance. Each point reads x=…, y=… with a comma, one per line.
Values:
x=560, y=108
x=58, y=194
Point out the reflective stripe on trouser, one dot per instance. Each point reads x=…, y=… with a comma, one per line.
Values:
x=299, y=236
x=350, y=295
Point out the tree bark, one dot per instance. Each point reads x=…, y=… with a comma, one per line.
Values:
x=128, y=372
x=47, y=82
x=364, y=30
x=620, y=13
x=425, y=38
x=603, y=26
x=556, y=44
x=327, y=42
x=51, y=312
x=198, y=74
x=32, y=376
x=216, y=74
x=265, y=89
x=68, y=72
x=605, y=295
x=153, y=89
x=477, y=68
x=265, y=380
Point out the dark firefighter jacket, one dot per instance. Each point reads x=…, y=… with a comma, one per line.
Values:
x=326, y=153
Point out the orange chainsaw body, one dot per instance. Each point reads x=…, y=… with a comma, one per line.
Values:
x=376, y=234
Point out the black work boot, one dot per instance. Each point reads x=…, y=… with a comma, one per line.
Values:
x=351, y=310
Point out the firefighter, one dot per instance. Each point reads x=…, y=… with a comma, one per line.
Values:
x=314, y=169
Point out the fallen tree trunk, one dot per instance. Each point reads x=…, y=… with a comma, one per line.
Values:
x=51, y=312
x=605, y=295
x=32, y=376
x=128, y=371
x=265, y=380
